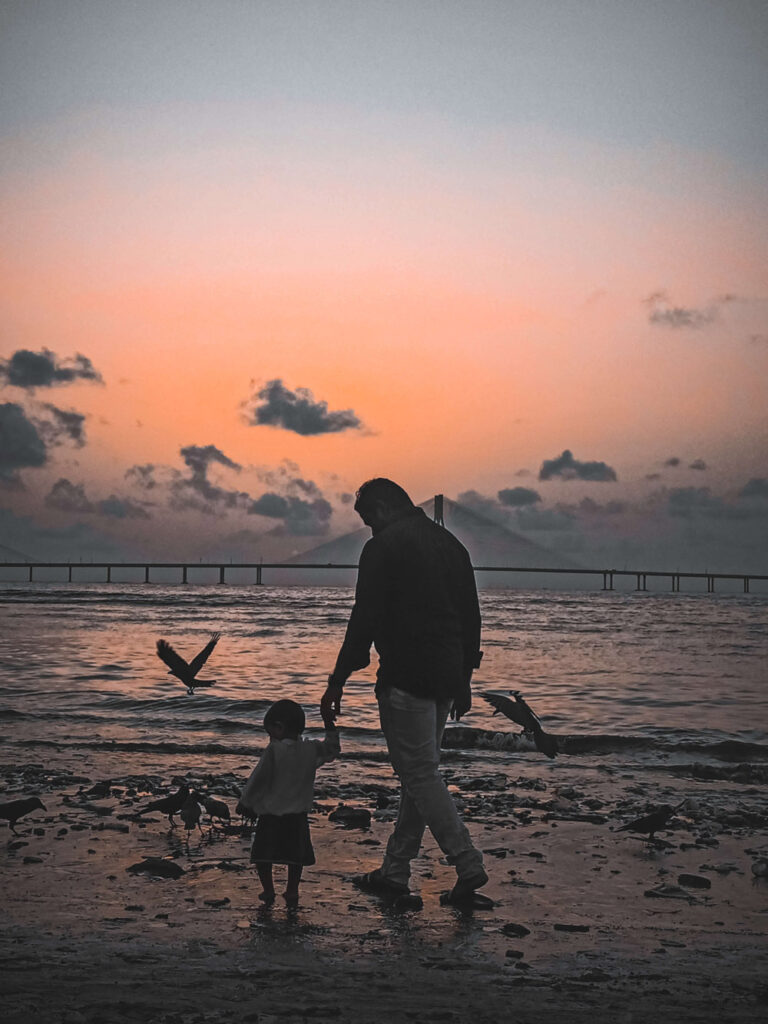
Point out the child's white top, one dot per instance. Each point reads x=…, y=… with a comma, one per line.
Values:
x=283, y=781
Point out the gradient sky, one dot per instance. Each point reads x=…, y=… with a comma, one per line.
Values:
x=257, y=252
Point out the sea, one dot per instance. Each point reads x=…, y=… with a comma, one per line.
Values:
x=670, y=682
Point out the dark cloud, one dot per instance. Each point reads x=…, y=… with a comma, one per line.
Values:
x=299, y=518
x=588, y=507
x=545, y=519
x=277, y=406
x=142, y=476
x=196, y=491
x=61, y=425
x=757, y=487
x=758, y=339
x=121, y=508
x=568, y=468
x=699, y=464
x=68, y=497
x=653, y=476
x=26, y=369
x=661, y=313
x=21, y=446
x=518, y=496
x=672, y=462
x=480, y=503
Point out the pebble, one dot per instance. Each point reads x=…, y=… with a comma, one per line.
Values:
x=157, y=866
x=351, y=817
x=514, y=954
x=571, y=927
x=518, y=930
x=217, y=903
x=694, y=881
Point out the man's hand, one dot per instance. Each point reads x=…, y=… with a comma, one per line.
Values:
x=330, y=702
x=461, y=704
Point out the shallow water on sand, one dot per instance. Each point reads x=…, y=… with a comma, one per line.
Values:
x=648, y=678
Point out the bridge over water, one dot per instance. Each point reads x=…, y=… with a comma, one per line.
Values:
x=31, y=572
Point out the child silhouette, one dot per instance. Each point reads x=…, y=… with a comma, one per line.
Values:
x=279, y=792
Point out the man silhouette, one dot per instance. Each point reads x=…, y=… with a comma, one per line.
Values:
x=416, y=601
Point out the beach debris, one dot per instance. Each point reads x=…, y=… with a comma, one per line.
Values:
x=169, y=805
x=514, y=954
x=651, y=823
x=184, y=671
x=694, y=881
x=571, y=927
x=351, y=817
x=159, y=866
x=518, y=930
x=520, y=712
x=665, y=890
x=12, y=810
x=760, y=867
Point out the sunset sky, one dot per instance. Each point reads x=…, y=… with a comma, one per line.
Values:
x=255, y=253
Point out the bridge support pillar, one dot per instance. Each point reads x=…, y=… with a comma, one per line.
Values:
x=608, y=580
x=746, y=584
x=258, y=576
x=30, y=574
x=109, y=574
x=146, y=574
x=69, y=574
x=183, y=574
x=221, y=574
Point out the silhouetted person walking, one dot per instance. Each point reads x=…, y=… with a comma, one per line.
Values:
x=416, y=601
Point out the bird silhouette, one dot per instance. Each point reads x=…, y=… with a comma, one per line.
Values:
x=190, y=812
x=215, y=808
x=169, y=805
x=651, y=823
x=519, y=711
x=184, y=671
x=15, y=809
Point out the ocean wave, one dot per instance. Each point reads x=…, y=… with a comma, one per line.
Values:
x=464, y=737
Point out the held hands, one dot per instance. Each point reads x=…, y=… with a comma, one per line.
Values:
x=330, y=703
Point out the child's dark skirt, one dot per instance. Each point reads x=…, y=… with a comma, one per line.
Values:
x=282, y=839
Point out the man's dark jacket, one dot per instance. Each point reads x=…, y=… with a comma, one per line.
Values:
x=416, y=601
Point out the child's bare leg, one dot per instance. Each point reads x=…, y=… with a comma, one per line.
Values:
x=264, y=869
x=292, y=886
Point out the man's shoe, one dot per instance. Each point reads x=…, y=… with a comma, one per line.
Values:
x=376, y=883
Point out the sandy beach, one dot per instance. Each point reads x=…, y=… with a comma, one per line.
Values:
x=587, y=921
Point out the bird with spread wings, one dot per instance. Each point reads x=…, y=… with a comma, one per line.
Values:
x=187, y=672
x=519, y=711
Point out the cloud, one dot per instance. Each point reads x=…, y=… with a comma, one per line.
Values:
x=299, y=518
x=568, y=468
x=142, y=476
x=21, y=446
x=297, y=411
x=653, y=476
x=187, y=491
x=61, y=426
x=757, y=487
x=518, y=496
x=121, y=508
x=699, y=464
x=548, y=519
x=30, y=370
x=68, y=497
x=588, y=507
x=673, y=461
x=758, y=339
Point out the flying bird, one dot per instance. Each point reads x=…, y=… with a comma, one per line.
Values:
x=651, y=823
x=519, y=711
x=169, y=805
x=178, y=667
x=15, y=809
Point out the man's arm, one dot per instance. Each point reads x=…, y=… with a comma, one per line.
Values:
x=470, y=636
x=355, y=652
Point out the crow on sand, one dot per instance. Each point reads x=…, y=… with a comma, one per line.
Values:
x=519, y=711
x=190, y=812
x=15, y=809
x=651, y=823
x=169, y=805
x=215, y=808
x=184, y=671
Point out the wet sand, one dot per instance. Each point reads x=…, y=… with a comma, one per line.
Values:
x=589, y=924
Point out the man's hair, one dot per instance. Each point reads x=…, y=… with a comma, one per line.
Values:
x=381, y=489
x=289, y=714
